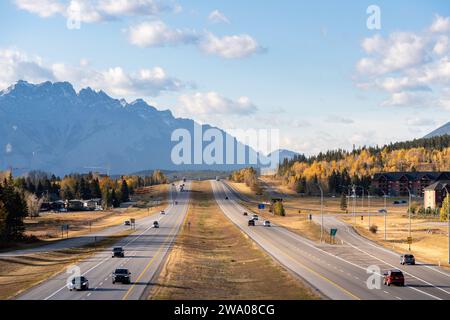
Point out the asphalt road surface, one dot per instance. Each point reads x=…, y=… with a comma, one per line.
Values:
x=145, y=251
x=339, y=272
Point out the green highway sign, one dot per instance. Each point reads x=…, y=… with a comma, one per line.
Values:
x=333, y=232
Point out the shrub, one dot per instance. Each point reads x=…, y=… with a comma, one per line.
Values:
x=278, y=209
x=374, y=229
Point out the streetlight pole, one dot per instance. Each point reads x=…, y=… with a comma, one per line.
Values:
x=368, y=203
x=448, y=221
x=385, y=215
x=321, y=212
x=409, y=211
x=354, y=202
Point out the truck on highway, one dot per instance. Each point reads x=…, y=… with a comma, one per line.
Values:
x=121, y=276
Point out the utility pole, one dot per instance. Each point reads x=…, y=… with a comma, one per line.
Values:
x=368, y=203
x=409, y=211
x=321, y=212
x=354, y=203
x=385, y=215
x=448, y=221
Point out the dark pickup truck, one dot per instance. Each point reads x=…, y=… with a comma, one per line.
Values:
x=118, y=252
x=121, y=276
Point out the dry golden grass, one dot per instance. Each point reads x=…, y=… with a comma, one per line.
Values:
x=429, y=238
x=213, y=259
x=48, y=226
x=17, y=274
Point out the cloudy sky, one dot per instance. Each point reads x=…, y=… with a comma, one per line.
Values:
x=314, y=70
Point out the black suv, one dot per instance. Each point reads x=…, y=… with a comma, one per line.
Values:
x=251, y=223
x=118, y=252
x=121, y=276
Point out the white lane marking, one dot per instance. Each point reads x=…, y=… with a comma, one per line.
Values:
x=100, y=284
x=405, y=272
x=108, y=258
x=297, y=238
x=368, y=242
x=89, y=294
x=386, y=292
x=398, y=298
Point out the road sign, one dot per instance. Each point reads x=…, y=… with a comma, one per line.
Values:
x=333, y=232
x=261, y=206
x=410, y=240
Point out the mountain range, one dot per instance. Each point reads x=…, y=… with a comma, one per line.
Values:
x=53, y=128
x=445, y=129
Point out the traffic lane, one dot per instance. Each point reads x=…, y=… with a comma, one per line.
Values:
x=76, y=242
x=94, y=267
x=431, y=279
x=341, y=265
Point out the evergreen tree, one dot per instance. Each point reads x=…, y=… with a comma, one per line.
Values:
x=124, y=192
x=444, y=208
x=344, y=203
x=114, y=199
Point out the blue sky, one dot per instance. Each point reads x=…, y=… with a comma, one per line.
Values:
x=310, y=68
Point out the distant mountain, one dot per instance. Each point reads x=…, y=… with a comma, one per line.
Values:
x=445, y=129
x=285, y=154
x=52, y=127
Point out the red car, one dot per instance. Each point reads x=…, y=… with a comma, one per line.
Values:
x=394, y=277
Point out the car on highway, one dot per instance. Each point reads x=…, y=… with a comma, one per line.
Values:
x=226, y=198
x=118, y=252
x=121, y=276
x=267, y=223
x=408, y=259
x=394, y=277
x=245, y=214
x=79, y=284
x=163, y=212
x=255, y=217
x=127, y=223
x=156, y=225
x=251, y=223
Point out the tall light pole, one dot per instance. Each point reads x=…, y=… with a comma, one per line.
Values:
x=321, y=212
x=409, y=211
x=368, y=203
x=448, y=221
x=385, y=215
x=354, y=202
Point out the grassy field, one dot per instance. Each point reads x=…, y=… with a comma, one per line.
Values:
x=17, y=274
x=429, y=235
x=212, y=259
x=47, y=227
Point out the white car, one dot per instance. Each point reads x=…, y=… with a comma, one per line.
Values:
x=267, y=223
x=163, y=212
x=255, y=217
x=78, y=284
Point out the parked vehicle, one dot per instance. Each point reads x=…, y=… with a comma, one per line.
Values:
x=408, y=259
x=79, y=284
x=127, y=223
x=267, y=223
x=394, y=277
x=252, y=223
x=121, y=276
x=118, y=252
x=156, y=225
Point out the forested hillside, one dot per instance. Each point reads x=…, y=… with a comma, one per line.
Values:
x=337, y=169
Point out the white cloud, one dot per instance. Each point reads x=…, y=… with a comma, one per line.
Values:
x=158, y=34
x=17, y=65
x=410, y=67
x=440, y=24
x=43, y=8
x=339, y=120
x=420, y=122
x=230, y=47
x=212, y=103
x=90, y=11
x=218, y=17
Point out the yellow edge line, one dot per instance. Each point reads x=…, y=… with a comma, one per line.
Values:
x=152, y=260
x=315, y=272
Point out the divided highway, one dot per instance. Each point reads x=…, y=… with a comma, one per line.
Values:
x=145, y=251
x=339, y=272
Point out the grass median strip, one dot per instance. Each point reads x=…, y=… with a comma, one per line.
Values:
x=20, y=273
x=212, y=259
